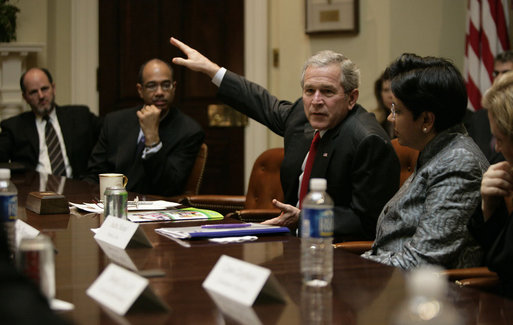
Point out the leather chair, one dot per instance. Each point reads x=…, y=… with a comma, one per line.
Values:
x=407, y=159
x=196, y=176
x=256, y=206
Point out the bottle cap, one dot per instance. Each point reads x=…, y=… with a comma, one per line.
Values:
x=427, y=281
x=5, y=173
x=318, y=184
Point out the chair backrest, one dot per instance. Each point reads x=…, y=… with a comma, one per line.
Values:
x=194, y=181
x=407, y=159
x=264, y=181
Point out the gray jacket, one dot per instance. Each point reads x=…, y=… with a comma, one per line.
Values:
x=426, y=220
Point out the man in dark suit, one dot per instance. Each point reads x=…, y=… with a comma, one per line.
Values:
x=23, y=140
x=478, y=122
x=354, y=153
x=154, y=145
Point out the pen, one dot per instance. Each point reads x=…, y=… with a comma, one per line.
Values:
x=226, y=226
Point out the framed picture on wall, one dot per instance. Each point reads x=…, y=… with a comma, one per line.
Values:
x=328, y=16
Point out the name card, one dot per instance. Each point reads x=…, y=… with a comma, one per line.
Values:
x=242, y=282
x=119, y=233
x=24, y=230
x=119, y=289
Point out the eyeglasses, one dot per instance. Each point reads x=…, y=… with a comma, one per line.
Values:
x=164, y=85
x=393, y=111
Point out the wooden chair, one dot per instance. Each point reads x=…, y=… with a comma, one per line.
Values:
x=264, y=185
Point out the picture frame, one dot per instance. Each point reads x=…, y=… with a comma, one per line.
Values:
x=332, y=16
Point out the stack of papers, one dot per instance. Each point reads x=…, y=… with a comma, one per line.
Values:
x=219, y=230
x=140, y=206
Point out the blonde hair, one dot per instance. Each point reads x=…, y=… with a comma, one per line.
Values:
x=499, y=102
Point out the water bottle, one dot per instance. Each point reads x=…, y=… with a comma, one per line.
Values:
x=426, y=303
x=8, y=206
x=317, y=235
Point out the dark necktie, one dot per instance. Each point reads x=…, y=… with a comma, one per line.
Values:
x=140, y=146
x=54, y=149
x=308, y=168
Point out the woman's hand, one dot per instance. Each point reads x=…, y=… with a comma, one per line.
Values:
x=496, y=184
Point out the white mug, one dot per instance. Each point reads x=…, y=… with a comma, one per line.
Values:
x=109, y=180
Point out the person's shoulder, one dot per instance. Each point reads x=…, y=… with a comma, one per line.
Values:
x=184, y=119
x=363, y=123
x=20, y=118
x=123, y=113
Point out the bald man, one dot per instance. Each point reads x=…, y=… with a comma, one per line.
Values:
x=154, y=144
x=23, y=139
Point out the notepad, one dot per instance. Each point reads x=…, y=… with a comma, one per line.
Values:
x=201, y=232
x=178, y=214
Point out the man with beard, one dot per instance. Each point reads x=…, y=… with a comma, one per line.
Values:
x=154, y=145
x=50, y=139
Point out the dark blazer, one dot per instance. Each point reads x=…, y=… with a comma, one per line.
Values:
x=164, y=173
x=356, y=157
x=19, y=140
x=496, y=237
x=479, y=129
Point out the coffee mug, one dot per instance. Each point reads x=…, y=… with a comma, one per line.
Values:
x=109, y=180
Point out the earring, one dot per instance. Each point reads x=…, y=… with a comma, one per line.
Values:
x=425, y=130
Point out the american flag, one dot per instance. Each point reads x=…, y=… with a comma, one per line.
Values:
x=486, y=36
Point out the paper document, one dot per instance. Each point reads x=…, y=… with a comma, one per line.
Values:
x=140, y=206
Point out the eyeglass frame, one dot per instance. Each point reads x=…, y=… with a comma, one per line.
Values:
x=162, y=85
x=392, y=110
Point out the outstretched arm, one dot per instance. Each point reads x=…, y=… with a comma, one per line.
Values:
x=195, y=60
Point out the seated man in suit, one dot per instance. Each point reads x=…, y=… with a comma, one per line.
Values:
x=50, y=139
x=479, y=125
x=354, y=152
x=154, y=145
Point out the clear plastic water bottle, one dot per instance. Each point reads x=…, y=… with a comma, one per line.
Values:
x=426, y=303
x=317, y=235
x=8, y=206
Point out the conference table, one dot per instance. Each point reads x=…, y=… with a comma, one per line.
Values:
x=362, y=292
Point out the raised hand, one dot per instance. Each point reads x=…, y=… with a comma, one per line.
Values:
x=195, y=60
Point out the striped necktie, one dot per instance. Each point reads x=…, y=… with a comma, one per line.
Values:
x=54, y=149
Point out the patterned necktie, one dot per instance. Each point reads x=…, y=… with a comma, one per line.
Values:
x=308, y=168
x=54, y=149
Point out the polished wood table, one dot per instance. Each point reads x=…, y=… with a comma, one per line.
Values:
x=362, y=292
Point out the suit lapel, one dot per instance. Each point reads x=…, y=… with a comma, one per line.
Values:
x=324, y=153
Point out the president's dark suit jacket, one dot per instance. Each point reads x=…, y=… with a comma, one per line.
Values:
x=164, y=173
x=19, y=140
x=356, y=157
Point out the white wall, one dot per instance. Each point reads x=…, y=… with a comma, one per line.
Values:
x=387, y=29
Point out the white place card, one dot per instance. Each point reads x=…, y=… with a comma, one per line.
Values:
x=24, y=230
x=241, y=281
x=119, y=289
x=119, y=233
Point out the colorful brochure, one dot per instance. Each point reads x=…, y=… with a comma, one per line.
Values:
x=178, y=214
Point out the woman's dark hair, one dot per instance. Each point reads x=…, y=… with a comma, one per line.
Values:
x=429, y=84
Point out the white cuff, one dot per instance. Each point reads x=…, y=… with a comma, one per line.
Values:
x=218, y=77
